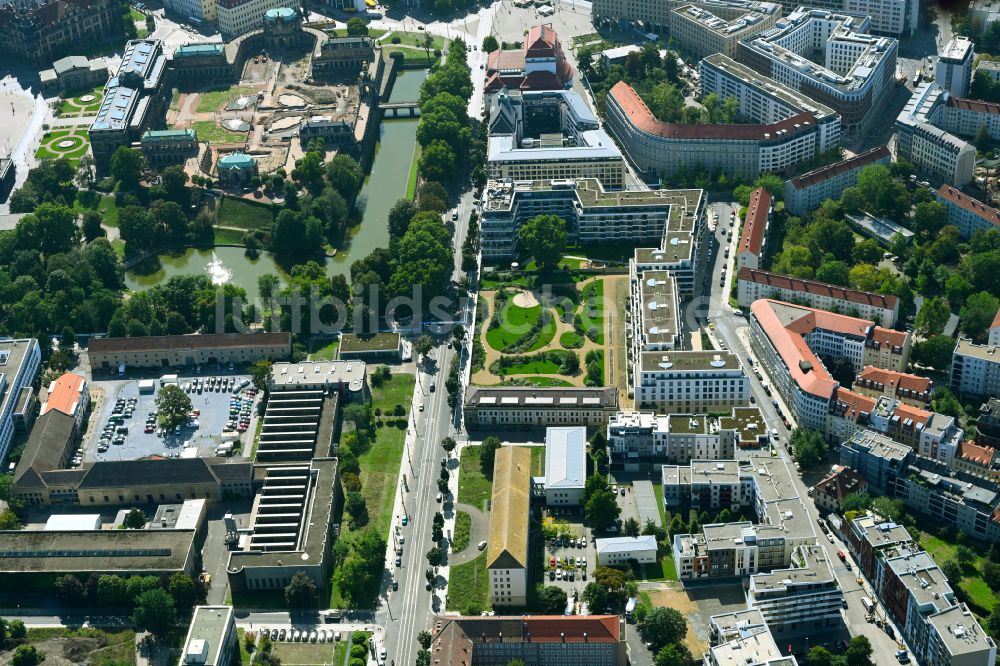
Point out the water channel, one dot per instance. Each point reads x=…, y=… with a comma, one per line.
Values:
x=384, y=185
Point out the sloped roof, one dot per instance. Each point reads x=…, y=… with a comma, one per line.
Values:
x=64, y=394
x=825, y=173
x=887, y=301
x=147, y=472
x=46, y=446
x=508, y=544
x=974, y=206
x=755, y=224
x=902, y=380
x=626, y=544
x=566, y=457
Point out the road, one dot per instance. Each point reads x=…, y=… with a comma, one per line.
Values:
x=731, y=329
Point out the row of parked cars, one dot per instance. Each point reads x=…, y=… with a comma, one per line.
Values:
x=303, y=635
x=115, y=429
x=239, y=411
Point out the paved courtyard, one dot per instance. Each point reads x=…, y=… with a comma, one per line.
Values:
x=206, y=437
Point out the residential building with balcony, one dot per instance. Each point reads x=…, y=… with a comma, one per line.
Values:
x=806, y=192
x=912, y=390
x=975, y=369
x=699, y=32
x=754, y=236
x=968, y=214
x=689, y=381
x=805, y=597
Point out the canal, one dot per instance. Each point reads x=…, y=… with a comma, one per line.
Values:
x=383, y=186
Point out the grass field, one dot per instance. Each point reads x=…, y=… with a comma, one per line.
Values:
x=539, y=365
x=209, y=132
x=570, y=340
x=592, y=312
x=340, y=649
x=414, y=39
x=76, y=106
x=410, y=56
x=238, y=213
x=245, y=657
x=327, y=352
x=103, y=204
x=658, y=571
x=119, y=644
x=228, y=236
x=514, y=324
x=211, y=100
x=463, y=532
x=47, y=147
x=536, y=381
x=305, y=653
x=411, y=178
x=380, y=463
x=468, y=586
x=374, y=33
x=473, y=488
x=972, y=581
x=537, y=461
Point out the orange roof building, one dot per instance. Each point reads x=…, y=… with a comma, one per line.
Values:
x=789, y=340
x=70, y=395
x=540, y=65
x=467, y=641
x=967, y=213
x=755, y=226
x=911, y=389
x=806, y=192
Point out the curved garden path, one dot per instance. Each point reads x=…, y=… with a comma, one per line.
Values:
x=479, y=531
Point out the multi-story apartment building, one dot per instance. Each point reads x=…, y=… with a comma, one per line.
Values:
x=659, y=150
x=174, y=351
x=592, y=214
x=678, y=250
x=689, y=381
x=968, y=214
x=953, y=70
x=39, y=33
x=877, y=458
x=753, y=285
x=653, y=303
x=700, y=32
x=935, y=152
x=790, y=339
x=236, y=17
x=754, y=236
x=681, y=438
x=910, y=389
x=507, y=553
x=964, y=117
x=856, y=78
x=656, y=15
x=806, y=192
x=805, y=597
x=978, y=460
x=742, y=637
x=135, y=100
x=975, y=369
x=550, y=135
x=533, y=639
x=507, y=406
x=872, y=540
x=743, y=548
x=19, y=363
x=762, y=100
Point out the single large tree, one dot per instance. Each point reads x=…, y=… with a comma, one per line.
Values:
x=126, y=167
x=154, y=611
x=487, y=455
x=301, y=591
x=663, y=626
x=134, y=520
x=173, y=404
x=602, y=510
x=544, y=238
x=552, y=600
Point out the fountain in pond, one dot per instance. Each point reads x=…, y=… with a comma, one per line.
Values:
x=218, y=271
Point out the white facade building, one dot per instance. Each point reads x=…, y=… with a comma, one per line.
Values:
x=620, y=551
x=975, y=369
x=922, y=139
x=968, y=214
x=953, y=71
x=565, y=465
x=237, y=17
x=689, y=381
x=803, y=597
x=806, y=192
x=198, y=10
x=19, y=363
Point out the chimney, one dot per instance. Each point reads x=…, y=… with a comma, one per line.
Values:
x=585, y=637
x=562, y=636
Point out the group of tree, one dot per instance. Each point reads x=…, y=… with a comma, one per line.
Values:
x=358, y=561
x=444, y=133
x=320, y=215
x=182, y=304
x=809, y=447
x=600, y=506
x=155, y=600
x=859, y=653
x=886, y=507
x=664, y=629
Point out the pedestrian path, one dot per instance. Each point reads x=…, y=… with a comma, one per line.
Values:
x=477, y=533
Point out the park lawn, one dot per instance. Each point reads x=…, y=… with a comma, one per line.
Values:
x=571, y=340
x=374, y=33
x=537, y=460
x=536, y=367
x=211, y=100
x=592, y=311
x=235, y=212
x=411, y=56
x=979, y=592
x=73, y=103
x=209, y=132
x=411, y=178
x=463, y=532
x=227, y=236
x=939, y=549
x=545, y=335
x=327, y=352
x=118, y=245
x=473, y=488
x=103, y=203
x=658, y=571
x=340, y=651
x=658, y=494
x=136, y=14
x=512, y=317
x=468, y=585
x=414, y=39
x=536, y=381
x=313, y=654
x=380, y=463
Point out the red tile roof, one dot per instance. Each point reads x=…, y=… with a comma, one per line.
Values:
x=996, y=320
x=886, y=301
x=64, y=394
x=974, y=453
x=974, y=206
x=755, y=224
x=851, y=405
x=541, y=42
x=842, y=482
x=640, y=116
x=804, y=366
x=973, y=105
x=902, y=380
x=825, y=173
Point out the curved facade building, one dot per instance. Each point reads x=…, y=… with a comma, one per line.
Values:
x=660, y=149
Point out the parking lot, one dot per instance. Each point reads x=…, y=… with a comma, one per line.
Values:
x=126, y=414
x=570, y=559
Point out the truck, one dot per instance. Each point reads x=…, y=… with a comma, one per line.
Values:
x=630, y=607
x=867, y=604
x=168, y=379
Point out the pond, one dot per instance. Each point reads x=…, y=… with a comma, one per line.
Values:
x=384, y=185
